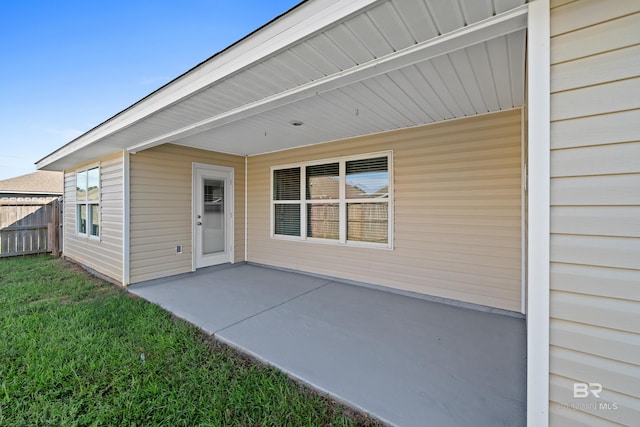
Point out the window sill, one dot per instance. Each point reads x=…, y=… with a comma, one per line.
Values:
x=332, y=242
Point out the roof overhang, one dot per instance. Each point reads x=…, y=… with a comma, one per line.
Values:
x=342, y=68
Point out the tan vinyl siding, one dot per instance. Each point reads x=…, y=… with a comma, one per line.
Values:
x=103, y=255
x=457, y=202
x=161, y=180
x=595, y=211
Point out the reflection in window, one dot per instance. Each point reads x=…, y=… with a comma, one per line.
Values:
x=88, y=202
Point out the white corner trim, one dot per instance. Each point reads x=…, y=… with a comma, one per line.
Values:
x=523, y=210
x=126, y=223
x=246, y=209
x=488, y=29
x=538, y=93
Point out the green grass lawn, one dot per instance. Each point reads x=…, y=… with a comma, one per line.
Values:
x=71, y=351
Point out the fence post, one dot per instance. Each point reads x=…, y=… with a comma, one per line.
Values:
x=53, y=229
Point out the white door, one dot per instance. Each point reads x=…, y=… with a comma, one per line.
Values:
x=212, y=215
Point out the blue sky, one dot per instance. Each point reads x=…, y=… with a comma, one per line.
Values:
x=68, y=65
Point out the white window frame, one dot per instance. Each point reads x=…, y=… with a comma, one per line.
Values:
x=88, y=203
x=342, y=201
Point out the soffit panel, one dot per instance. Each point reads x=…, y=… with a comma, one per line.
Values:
x=486, y=77
x=446, y=87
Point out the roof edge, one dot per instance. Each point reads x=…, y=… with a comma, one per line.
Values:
x=306, y=18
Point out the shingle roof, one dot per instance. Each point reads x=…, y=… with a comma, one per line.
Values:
x=41, y=182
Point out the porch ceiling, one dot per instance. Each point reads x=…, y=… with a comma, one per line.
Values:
x=387, y=64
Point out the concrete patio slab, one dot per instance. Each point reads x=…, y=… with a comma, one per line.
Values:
x=407, y=361
x=217, y=297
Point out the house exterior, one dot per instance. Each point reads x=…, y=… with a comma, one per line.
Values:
x=482, y=152
x=36, y=184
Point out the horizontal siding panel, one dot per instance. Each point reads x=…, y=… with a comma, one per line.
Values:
x=103, y=255
x=150, y=256
x=595, y=217
x=506, y=213
x=593, y=100
x=462, y=263
x=610, y=313
x=457, y=205
x=560, y=415
x=596, y=160
x=158, y=274
x=459, y=235
x=160, y=219
x=163, y=209
x=596, y=130
x=94, y=260
x=142, y=230
x=616, y=65
x=610, y=35
x=457, y=190
x=618, y=252
x=577, y=15
x=473, y=221
x=620, y=221
x=405, y=230
x=614, y=376
x=168, y=265
x=453, y=180
x=163, y=244
x=590, y=413
x=602, y=342
x=596, y=281
x=619, y=190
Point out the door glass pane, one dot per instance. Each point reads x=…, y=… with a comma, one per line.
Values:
x=213, y=217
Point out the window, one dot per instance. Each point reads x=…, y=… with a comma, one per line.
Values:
x=342, y=201
x=88, y=202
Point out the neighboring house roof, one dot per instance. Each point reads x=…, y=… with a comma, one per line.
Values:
x=329, y=70
x=41, y=182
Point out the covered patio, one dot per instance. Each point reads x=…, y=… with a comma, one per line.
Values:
x=404, y=359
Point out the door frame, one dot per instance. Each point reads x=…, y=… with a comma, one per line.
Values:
x=215, y=171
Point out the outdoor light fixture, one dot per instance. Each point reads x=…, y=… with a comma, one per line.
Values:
x=296, y=123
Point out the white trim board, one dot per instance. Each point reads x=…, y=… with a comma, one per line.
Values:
x=538, y=108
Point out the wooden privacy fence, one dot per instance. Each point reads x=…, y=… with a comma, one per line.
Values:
x=29, y=225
